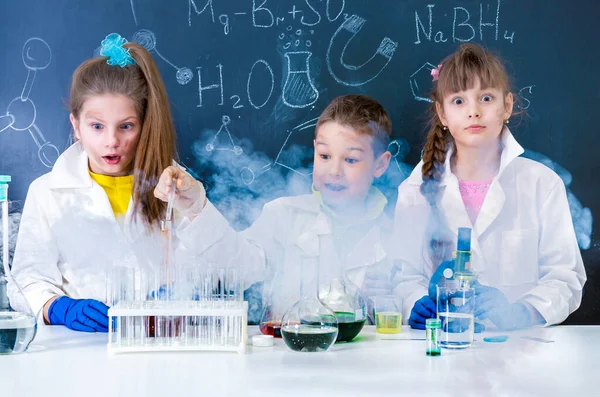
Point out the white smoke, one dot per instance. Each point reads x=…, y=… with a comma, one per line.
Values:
x=14, y=219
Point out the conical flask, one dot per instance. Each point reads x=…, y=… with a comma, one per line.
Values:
x=282, y=290
x=17, y=322
x=298, y=90
x=309, y=325
x=270, y=319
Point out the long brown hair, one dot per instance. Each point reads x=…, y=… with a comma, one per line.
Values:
x=143, y=85
x=457, y=72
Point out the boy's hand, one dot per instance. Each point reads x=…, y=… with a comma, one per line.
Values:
x=190, y=196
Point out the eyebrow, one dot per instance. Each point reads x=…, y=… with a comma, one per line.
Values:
x=94, y=116
x=349, y=149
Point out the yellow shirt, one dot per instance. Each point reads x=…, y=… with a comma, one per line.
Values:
x=118, y=189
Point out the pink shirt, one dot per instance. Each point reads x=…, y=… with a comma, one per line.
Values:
x=473, y=194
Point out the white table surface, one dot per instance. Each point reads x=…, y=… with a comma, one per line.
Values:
x=61, y=362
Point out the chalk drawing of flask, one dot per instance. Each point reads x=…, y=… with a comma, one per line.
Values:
x=299, y=90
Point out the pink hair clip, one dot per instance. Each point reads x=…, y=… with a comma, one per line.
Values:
x=435, y=72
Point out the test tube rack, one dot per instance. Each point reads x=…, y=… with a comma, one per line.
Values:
x=154, y=326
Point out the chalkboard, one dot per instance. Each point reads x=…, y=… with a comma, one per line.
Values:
x=248, y=78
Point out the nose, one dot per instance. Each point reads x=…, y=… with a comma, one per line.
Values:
x=336, y=169
x=474, y=111
x=112, y=138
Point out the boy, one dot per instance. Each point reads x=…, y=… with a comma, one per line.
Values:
x=343, y=219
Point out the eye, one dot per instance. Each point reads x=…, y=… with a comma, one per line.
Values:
x=486, y=98
x=324, y=156
x=96, y=126
x=127, y=126
x=351, y=161
x=457, y=101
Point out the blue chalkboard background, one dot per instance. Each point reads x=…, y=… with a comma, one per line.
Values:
x=248, y=78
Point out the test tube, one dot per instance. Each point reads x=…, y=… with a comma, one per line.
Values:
x=432, y=332
x=222, y=293
x=121, y=293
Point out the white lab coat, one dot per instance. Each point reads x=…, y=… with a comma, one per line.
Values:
x=290, y=228
x=69, y=238
x=523, y=241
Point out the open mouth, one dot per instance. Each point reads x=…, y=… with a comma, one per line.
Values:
x=334, y=187
x=112, y=160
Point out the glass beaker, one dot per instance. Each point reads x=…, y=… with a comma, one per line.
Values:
x=455, y=310
x=309, y=325
x=388, y=314
x=18, y=324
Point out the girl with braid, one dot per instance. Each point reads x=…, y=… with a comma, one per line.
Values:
x=524, y=250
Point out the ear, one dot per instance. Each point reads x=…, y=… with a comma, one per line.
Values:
x=509, y=101
x=382, y=163
x=75, y=125
x=439, y=109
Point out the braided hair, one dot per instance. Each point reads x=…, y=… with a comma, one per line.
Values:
x=458, y=72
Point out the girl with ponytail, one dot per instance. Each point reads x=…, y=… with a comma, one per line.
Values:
x=102, y=203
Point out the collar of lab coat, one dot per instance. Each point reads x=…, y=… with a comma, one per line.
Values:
x=375, y=203
x=71, y=169
x=510, y=151
x=370, y=250
x=451, y=203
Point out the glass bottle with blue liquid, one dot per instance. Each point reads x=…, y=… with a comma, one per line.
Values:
x=17, y=322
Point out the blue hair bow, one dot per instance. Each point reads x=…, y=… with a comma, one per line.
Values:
x=112, y=47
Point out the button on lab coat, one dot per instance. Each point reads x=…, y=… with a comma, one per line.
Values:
x=69, y=237
x=523, y=241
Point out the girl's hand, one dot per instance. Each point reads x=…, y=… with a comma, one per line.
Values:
x=190, y=196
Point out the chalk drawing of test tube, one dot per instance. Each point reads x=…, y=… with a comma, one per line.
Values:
x=356, y=75
x=21, y=113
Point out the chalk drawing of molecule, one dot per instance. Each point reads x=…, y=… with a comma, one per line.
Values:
x=233, y=148
x=21, y=112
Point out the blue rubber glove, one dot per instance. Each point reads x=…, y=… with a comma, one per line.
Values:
x=491, y=303
x=438, y=276
x=423, y=309
x=87, y=315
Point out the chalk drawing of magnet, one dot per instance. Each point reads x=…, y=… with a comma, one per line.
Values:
x=356, y=75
